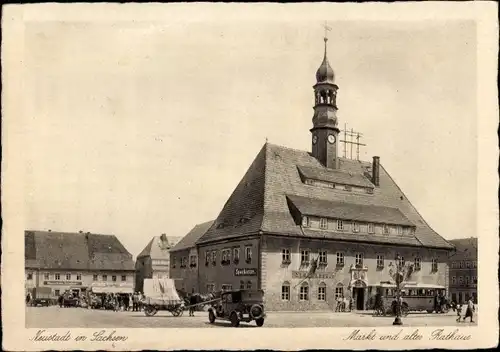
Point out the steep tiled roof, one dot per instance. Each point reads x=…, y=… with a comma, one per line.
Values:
x=274, y=175
x=159, y=248
x=192, y=236
x=75, y=251
x=349, y=211
x=465, y=248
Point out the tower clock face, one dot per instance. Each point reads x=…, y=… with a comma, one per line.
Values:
x=331, y=138
x=315, y=139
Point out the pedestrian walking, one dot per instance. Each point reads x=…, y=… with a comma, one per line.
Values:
x=469, y=312
x=130, y=302
x=459, y=312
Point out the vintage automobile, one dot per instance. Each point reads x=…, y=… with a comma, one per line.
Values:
x=237, y=306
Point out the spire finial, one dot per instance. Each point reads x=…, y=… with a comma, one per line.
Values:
x=326, y=34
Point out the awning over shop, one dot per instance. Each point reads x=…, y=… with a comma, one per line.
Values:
x=112, y=289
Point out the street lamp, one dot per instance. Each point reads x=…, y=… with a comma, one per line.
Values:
x=399, y=275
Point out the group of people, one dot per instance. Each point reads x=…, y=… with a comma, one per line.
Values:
x=343, y=304
x=119, y=302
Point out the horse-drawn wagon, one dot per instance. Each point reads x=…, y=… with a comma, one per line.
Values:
x=160, y=294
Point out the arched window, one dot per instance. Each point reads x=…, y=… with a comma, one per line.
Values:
x=304, y=292
x=322, y=292
x=285, y=291
x=339, y=291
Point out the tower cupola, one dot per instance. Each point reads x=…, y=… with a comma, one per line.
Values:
x=325, y=130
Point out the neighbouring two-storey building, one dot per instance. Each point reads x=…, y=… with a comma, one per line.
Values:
x=154, y=260
x=184, y=259
x=293, y=206
x=463, y=270
x=77, y=262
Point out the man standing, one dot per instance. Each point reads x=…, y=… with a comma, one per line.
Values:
x=470, y=310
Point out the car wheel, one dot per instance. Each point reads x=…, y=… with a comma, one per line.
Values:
x=260, y=322
x=235, y=321
x=211, y=317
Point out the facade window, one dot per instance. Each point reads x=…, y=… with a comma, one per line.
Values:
x=242, y=285
x=460, y=280
x=207, y=258
x=226, y=257
x=380, y=261
x=94, y=277
x=322, y=292
x=304, y=292
x=285, y=256
x=340, y=258
x=105, y=278
x=305, y=221
x=249, y=285
x=192, y=261
x=304, y=257
x=78, y=277
x=57, y=292
x=124, y=277
x=340, y=225
x=68, y=276
x=417, y=263
x=401, y=260
x=323, y=257
x=386, y=229
x=29, y=276
x=474, y=280
x=236, y=255
x=46, y=276
x=248, y=254
x=227, y=287
x=474, y=264
x=174, y=259
x=214, y=258
x=453, y=280
x=461, y=265
x=355, y=227
x=400, y=230
x=434, y=265
x=359, y=259
x=371, y=228
x=339, y=291
x=323, y=223
x=467, y=279
x=57, y=276
x=285, y=291
x=467, y=264
x=113, y=278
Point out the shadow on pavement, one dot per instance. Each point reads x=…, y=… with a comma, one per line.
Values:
x=228, y=325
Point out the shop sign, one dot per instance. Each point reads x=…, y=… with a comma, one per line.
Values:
x=76, y=283
x=245, y=272
x=321, y=275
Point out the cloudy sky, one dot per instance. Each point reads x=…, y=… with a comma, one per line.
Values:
x=140, y=128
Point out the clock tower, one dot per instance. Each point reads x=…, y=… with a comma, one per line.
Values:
x=325, y=131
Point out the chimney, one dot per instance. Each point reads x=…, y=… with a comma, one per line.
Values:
x=376, y=171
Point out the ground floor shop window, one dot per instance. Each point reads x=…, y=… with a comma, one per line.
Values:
x=322, y=292
x=285, y=291
x=56, y=292
x=304, y=292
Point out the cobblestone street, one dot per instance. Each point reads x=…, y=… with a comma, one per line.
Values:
x=54, y=317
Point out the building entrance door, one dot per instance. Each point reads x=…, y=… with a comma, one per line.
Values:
x=359, y=298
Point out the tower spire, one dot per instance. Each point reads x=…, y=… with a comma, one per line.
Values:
x=325, y=38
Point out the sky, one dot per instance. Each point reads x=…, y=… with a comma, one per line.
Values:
x=140, y=128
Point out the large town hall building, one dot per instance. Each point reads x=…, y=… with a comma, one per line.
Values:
x=293, y=206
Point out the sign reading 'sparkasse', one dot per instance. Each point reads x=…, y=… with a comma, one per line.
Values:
x=245, y=272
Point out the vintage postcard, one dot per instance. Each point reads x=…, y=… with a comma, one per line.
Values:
x=238, y=176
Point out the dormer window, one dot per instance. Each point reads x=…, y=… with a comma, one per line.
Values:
x=355, y=226
x=305, y=221
x=340, y=225
x=323, y=223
